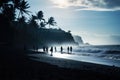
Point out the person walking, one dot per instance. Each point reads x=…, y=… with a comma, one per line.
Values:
x=61, y=49
x=51, y=51
x=68, y=49
x=55, y=49
x=47, y=49
x=71, y=49
x=44, y=49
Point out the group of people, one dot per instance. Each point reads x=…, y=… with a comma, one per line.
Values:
x=45, y=49
x=69, y=49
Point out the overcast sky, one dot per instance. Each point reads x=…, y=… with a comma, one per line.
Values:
x=97, y=21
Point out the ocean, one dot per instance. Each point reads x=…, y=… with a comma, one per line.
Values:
x=98, y=54
x=102, y=51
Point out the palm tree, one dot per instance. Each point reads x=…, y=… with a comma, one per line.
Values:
x=2, y=2
x=22, y=6
x=40, y=15
x=51, y=21
x=22, y=19
x=8, y=11
x=7, y=15
x=32, y=21
x=10, y=8
x=42, y=24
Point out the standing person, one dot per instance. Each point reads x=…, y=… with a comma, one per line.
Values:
x=71, y=49
x=51, y=51
x=43, y=48
x=68, y=49
x=55, y=49
x=61, y=49
x=47, y=49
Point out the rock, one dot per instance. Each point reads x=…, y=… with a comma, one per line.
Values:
x=78, y=39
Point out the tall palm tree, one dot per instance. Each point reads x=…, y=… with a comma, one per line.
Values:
x=9, y=12
x=42, y=24
x=32, y=21
x=22, y=19
x=2, y=2
x=7, y=9
x=40, y=15
x=22, y=6
x=51, y=21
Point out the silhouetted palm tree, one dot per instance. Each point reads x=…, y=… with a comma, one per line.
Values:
x=40, y=15
x=22, y=19
x=22, y=6
x=32, y=18
x=42, y=24
x=51, y=21
x=2, y=2
x=32, y=22
x=8, y=11
x=7, y=15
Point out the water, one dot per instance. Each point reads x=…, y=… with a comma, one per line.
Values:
x=101, y=54
x=103, y=51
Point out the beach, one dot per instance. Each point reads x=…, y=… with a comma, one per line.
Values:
x=19, y=65
x=59, y=40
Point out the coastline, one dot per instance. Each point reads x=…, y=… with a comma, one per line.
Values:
x=81, y=58
x=19, y=66
x=70, y=64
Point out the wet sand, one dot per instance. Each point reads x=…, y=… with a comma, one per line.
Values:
x=17, y=65
x=81, y=58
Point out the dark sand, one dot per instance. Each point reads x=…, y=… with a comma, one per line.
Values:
x=16, y=65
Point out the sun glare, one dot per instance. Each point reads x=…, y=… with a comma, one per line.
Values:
x=60, y=3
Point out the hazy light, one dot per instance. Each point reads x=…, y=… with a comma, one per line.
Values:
x=60, y=3
x=59, y=55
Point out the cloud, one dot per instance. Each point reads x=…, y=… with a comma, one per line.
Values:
x=95, y=5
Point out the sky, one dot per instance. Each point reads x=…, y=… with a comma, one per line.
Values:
x=96, y=21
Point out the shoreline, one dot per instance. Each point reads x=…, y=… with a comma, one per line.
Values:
x=87, y=59
x=70, y=64
x=19, y=66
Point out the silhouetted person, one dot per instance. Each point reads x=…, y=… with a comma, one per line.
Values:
x=68, y=49
x=71, y=49
x=51, y=50
x=47, y=49
x=43, y=48
x=55, y=49
x=61, y=49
